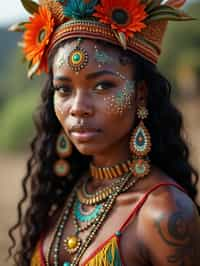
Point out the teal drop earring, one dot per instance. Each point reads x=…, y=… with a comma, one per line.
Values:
x=140, y=145
x=63, y=150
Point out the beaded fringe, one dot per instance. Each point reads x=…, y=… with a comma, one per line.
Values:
x=107, y=256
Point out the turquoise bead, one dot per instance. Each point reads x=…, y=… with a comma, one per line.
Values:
x=76, y=57
x=118, y=233
x=66, y=264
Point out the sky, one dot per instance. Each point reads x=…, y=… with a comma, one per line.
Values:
x=11, y=13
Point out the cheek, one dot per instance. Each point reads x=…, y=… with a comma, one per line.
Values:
x=120, y=103
x=58, y=107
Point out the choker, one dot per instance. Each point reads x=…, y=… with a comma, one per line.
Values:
x=110, y=172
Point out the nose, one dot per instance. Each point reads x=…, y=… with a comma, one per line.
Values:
x=81, y=105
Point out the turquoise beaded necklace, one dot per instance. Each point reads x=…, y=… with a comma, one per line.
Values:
x=73, y=242
x=107, y=206
x=86, y=217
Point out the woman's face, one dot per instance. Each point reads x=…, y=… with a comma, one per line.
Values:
x=96, y=103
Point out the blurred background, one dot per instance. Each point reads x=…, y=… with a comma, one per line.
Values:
x=180, y=63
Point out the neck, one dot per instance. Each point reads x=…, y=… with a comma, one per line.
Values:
x=113, y=156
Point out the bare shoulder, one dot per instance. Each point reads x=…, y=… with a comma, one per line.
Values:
x=169, y=227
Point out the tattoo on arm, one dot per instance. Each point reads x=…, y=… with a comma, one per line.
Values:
x=177, y=234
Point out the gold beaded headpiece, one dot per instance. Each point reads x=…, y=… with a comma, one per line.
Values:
x=136, y=25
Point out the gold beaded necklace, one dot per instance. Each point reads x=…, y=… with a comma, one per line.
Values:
x=56, y=238
x=101, y=195
x=98, y=196
x=97, y=224
x=110, y=172
x=73, y=242
x=123, y=181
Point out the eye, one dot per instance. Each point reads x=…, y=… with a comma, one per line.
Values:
x=105, y=85
x=63, y=90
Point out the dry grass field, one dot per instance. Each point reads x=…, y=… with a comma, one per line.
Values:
x=12, y=168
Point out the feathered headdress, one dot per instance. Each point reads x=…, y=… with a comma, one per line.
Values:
x=137, y=25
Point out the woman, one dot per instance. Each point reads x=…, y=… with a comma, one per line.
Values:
x=110, y=179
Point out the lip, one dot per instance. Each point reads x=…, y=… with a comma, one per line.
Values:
x=84, y=136
x=83, y=133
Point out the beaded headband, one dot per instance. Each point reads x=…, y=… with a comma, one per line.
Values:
x=136, y=25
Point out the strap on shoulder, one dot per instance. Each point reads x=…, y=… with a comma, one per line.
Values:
x=144, y=198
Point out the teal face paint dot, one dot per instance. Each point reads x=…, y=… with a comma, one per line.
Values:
x=130, y=85
x=103, y=58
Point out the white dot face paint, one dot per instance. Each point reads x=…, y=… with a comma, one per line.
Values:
x=122, y=100
x=60, y=60
x=57, y=104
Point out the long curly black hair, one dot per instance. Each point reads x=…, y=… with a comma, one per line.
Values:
x=46, y=192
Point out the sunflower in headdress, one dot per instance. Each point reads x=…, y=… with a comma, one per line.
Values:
x=36, y=38
x=56, y=9
x=123, y=15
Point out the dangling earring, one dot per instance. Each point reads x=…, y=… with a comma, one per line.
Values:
x=140, y=145
x=63, y=150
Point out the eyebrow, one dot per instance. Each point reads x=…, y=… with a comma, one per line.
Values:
x=100, y=73
x=89, y=76
x=62, y=78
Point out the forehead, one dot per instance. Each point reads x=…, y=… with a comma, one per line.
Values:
x=99, y=56
x=89, y=45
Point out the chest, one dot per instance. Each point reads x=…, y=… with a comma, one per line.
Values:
x=115, y=240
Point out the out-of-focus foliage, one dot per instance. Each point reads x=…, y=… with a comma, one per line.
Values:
x=182, y=45
x=16, y=121
x=13, y=78
x=18, y=96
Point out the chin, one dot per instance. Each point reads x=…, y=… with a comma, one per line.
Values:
x=88, y=149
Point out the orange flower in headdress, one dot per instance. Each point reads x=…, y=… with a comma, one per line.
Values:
x=125, y=16
x=36, y=38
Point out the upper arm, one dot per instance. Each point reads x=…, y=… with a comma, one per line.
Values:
x=171, y=232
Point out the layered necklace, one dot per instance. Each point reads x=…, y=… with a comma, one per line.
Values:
x=100, y=202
